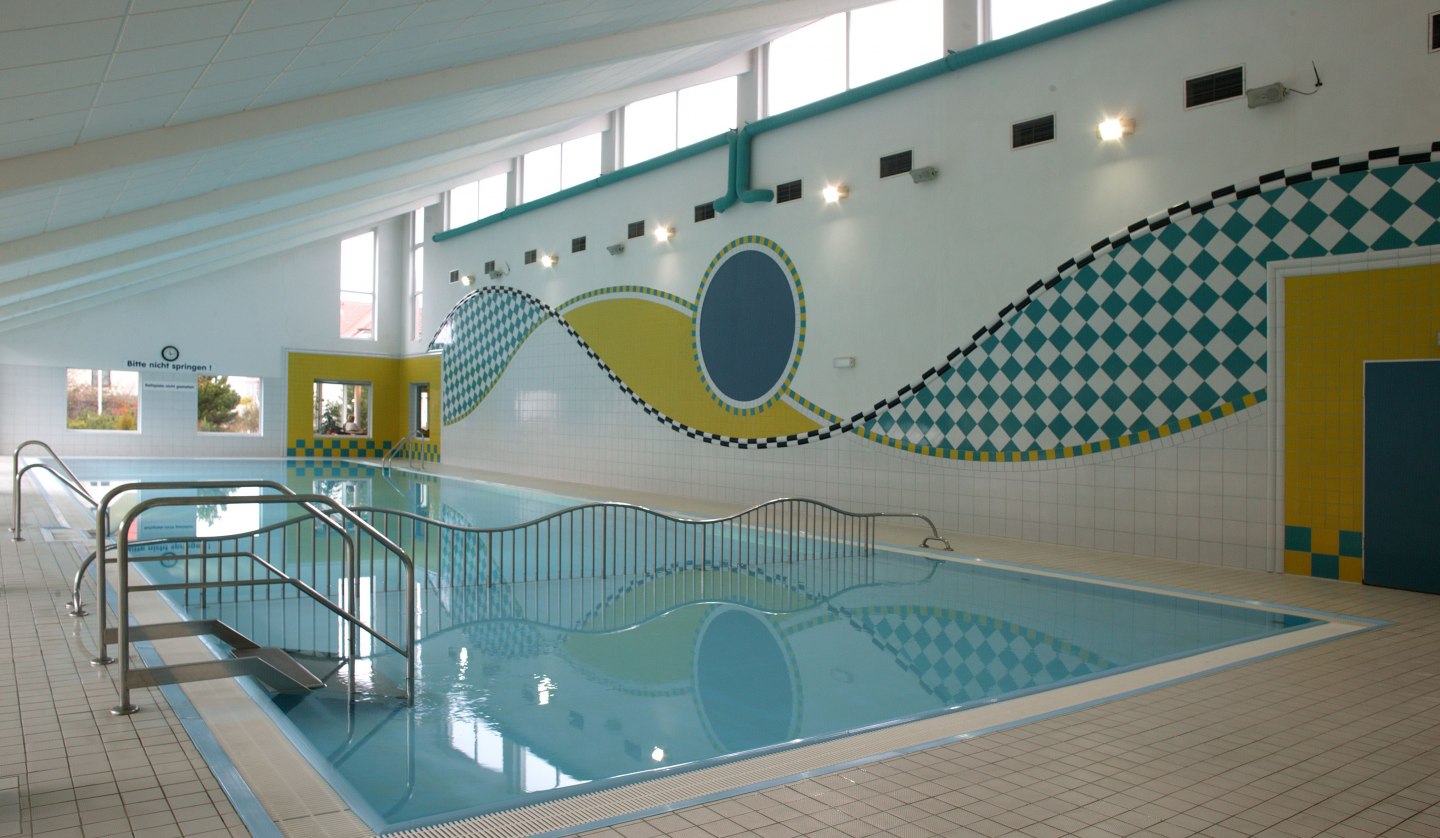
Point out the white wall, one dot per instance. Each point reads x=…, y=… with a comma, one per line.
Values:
x=239, y=321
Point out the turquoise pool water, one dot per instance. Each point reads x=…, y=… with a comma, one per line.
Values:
x=526, y=691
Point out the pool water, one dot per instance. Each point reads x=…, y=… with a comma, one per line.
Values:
x=530, y=690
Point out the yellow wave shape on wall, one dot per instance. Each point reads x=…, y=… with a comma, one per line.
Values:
x=649, y=346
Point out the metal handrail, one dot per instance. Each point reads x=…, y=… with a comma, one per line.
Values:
x=69, y=480
x=389, y=457
x=312, y=503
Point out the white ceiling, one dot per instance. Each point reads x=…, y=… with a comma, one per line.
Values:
x=149, y=141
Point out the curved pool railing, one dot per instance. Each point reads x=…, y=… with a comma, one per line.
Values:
x=66, y=477
x=607, y=538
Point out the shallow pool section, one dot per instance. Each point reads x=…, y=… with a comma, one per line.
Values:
x=532, y=690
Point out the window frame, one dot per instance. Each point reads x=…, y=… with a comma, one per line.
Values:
x=317, y=426
x=259, y=405
x=94, y=375
x=373, y=295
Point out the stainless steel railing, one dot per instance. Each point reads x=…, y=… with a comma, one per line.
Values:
x=66, y=477
x=407, y=444
x=604, y=539
x=321, y=510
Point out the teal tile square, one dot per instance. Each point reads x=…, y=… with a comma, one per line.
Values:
x=1352, y=544
x=1297, y=539
x=1325, y=567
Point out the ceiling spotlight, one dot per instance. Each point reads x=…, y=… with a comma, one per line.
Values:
x=1114, y=128
x=833, y=194
x=549, y=260
x=664, y=234
x=924, y=174
x=616, y=249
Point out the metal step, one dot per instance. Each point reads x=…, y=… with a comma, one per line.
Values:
x=272, y=667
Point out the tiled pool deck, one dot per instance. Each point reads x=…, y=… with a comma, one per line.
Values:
x=1340, y=738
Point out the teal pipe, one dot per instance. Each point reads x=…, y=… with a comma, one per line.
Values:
x=727, y=200
x=740, y=141
x=739, y=174
x=616, y=176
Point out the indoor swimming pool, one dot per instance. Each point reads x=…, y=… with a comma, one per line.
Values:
x=529, y=689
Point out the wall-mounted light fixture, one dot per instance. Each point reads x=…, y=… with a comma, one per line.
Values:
x=467, y=280
x=1114, y=128
x=924, y=174
x=834, y=192
x=664, y=234
x=616, y=249
x=549, y=260
x=495, y=270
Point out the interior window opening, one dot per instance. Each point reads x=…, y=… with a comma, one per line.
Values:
x=342, y=408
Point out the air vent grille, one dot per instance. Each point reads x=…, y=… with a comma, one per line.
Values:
x=788, y=191
x=1214, y=87
x=489, y=267
x=529, y=257
x=896, y=164
x=1032, y=131
x=636, y=230
x=454, y=276
x=577, y=244
x=705, y=211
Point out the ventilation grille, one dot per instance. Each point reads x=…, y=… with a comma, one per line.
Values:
x=636, y=229
x=489, y=267
x=454, y=276
x=705, y=211
x=1032, y=131
x=895, y=164
x=1435, y=32
x=577, y=244
x=788, y=191
x=1215, y=87
x=529, y=257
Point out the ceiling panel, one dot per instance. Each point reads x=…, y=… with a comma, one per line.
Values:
x=163, y=142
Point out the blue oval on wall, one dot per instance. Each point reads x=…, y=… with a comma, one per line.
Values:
x=748, y=321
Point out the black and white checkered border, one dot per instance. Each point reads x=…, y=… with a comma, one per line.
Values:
x=1328, y=167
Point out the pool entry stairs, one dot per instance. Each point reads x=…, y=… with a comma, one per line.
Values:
x=271, y=666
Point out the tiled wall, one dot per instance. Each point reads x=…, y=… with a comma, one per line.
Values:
x=1129, y=353
x=1333, y=323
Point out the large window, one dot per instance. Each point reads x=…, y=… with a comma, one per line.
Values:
x=357, y=287
x=227, y=404
x=417, y=274
x=561, y=166
x=1010, y=16
x=671, y=120
x=342, y=408
x=102, y=400
x=476, y=200
x=850, y=49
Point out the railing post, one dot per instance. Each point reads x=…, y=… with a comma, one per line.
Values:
x=122, y=627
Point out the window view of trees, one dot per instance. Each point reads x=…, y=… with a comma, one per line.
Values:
x=102, y=400
x=227, y=404
x=342, y=409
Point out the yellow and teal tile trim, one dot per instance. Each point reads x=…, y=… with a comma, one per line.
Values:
x=687, y=306
x=1330, y=554
x=338, y=447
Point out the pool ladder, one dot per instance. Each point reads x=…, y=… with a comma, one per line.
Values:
x=273, y=666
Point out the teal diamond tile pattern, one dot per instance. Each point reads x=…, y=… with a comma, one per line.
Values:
x=960, y=657
x=1162, y=322
x=479, y=337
